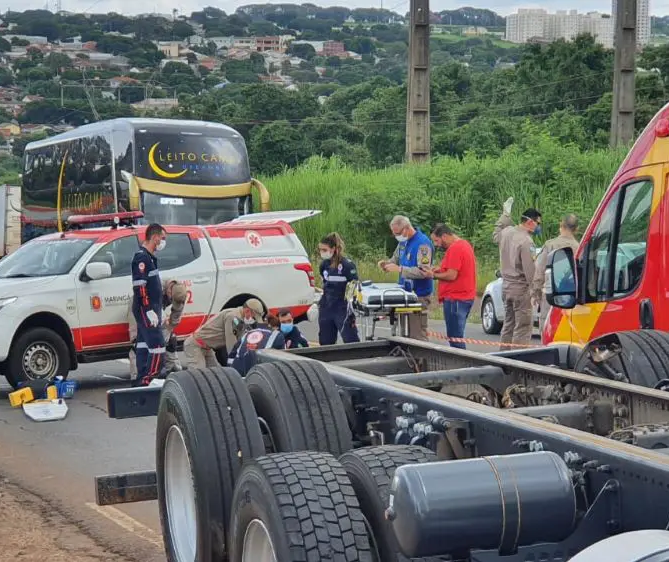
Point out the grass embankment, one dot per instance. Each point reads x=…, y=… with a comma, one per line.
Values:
x=467, y=194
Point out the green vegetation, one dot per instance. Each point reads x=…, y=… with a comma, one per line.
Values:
x=466, y=193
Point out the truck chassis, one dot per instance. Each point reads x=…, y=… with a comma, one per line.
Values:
x=398, y=449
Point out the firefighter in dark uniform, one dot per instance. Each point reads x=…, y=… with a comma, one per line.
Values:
x=147, y=306
x=334, y=313
x=265, y=336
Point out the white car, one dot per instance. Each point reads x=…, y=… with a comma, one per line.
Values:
x=492, y=307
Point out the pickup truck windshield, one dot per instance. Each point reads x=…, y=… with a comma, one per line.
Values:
x=41, y=258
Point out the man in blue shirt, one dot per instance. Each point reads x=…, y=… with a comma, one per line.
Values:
x=147, y=306
x=412, y=260
x=290, y=331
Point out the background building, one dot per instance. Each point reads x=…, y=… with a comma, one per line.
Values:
x=642, y=20
x=538, y=24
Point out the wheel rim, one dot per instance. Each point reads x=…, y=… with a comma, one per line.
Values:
x=488, y=315
x=180, y=496
x=258, y=546
x=40, y=361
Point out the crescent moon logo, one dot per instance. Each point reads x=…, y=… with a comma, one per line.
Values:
x=159, y=171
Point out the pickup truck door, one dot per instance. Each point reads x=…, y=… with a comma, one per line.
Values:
x=104, y=304
x=188, y=258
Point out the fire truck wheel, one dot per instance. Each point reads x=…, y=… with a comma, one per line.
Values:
x=290, y=507
x=206, y=429
x=641, y=356
x=299, y=407
x=371, y=470
x=37, y=353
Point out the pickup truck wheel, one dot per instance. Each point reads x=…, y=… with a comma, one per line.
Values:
x=206, y=429
x=489, y=320
x=37, y=353
x=371, y=470
x=642, y=357
x=300, y=407
x=291, y=507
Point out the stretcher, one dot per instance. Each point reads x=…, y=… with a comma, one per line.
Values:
x=372, y=302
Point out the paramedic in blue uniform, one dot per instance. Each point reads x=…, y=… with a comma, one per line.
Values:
x=412, y=255
x=266, y=336
x=147, y=306
x=334, y=313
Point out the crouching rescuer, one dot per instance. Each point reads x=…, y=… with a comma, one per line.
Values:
x=174, y=298
x=222, y=331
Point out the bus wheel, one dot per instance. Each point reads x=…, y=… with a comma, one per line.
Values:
x=639, y=357
x=37, y=354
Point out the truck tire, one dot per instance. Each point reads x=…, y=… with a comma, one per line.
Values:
x=298, y=506
x=489, y=321
x=301, y=407
x=371, y=470
x=206, y=429
x=37, y=353
x=643, y=357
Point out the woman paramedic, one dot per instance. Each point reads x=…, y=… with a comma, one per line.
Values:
x=334, y=315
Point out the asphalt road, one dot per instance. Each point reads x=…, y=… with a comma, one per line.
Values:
x=58, y=460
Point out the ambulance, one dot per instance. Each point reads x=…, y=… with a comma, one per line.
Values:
x=64, y=297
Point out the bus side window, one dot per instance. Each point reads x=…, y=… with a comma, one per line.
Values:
x=122, y=142
x=613, y=275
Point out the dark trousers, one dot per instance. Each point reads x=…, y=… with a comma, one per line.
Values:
x=150, y=352
x=333, y=321
x=456, y=313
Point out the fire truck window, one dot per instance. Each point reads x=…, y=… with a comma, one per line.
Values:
x=632, y=234
x=118, y=254
x=178, y=251
x=597, y=266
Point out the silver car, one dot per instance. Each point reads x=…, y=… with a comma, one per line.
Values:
x=492, y=307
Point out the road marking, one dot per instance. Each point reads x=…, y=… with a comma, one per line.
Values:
x=128, y=523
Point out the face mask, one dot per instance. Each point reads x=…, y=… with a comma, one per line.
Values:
x=401, y=238
x=249, y=321
x=161, y=246
x=287, y=328
x=326, y=255
x=537, y=230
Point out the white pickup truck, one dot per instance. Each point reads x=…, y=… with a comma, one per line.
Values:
x=64, y=297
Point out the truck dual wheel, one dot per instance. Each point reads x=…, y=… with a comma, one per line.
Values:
x=37, y=353
x=371, y=471
x=294, y=507
x=207, y=428
x=300, y=407
x=643, y=357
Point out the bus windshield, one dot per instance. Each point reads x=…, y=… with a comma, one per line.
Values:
x=185, y=210
x=191, y=158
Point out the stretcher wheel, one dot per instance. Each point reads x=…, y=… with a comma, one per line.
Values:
x=318, y=520
x=300, y=407
x=207, y=428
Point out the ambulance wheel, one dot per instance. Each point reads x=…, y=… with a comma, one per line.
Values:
x=207, y=428
x=37, y=354
x=640, y=357
x=489, y=320
x=371, y=470
x=319, y=519
x=299, y=407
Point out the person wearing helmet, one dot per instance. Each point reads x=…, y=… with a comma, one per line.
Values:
x=221, y=332
x=174, y=298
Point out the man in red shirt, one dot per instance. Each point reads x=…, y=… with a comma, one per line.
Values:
x=457, y=280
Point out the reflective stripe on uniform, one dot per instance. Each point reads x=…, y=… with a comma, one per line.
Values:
x=271, y=338
x=139, y=283
x=337, y=278
x=142, y=345
x=157, y=350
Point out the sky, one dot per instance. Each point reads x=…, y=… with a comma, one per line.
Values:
x=502, y=7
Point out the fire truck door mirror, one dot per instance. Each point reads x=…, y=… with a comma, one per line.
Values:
x=561, y=292
x=98, y=270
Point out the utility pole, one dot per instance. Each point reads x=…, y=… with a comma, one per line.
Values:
x=418, y=83
x=622, y=112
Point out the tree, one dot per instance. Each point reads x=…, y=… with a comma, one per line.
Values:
x=5, y=45
x=276, y=146
x=301, y=50
x=57, y=61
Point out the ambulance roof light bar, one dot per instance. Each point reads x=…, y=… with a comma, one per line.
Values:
x=113, y=219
